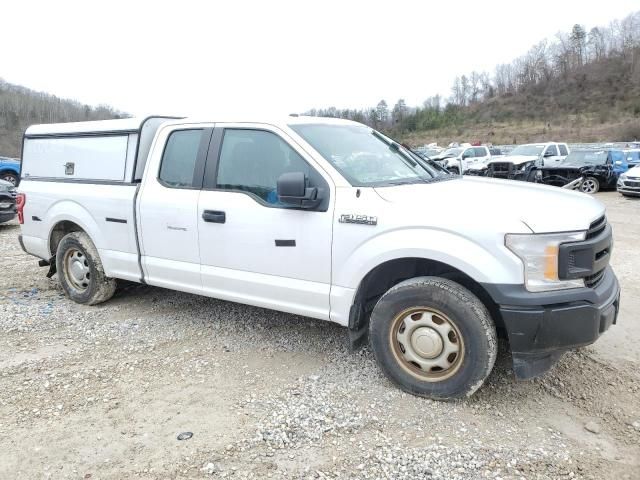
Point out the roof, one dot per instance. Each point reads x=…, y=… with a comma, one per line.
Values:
x=133, y=124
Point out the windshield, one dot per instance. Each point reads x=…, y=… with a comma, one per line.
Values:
x=430, y=152
x=366, y=157
x=528, y=150
x=452, y=152
x=592, y=157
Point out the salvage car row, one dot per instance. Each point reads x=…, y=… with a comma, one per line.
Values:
x=586, y=169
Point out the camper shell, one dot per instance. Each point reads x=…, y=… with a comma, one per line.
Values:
x=105, y=151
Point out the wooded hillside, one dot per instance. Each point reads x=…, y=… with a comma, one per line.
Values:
x=21, y=107
x=579, y=86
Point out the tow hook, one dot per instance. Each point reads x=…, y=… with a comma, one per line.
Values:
x=51, y=263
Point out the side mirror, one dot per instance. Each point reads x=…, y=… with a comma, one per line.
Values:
x=549, y=153
x=293, y=190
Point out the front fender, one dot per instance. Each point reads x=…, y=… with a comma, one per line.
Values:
x=497, y=265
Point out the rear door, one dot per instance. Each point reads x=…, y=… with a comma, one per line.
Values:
x=168, y=208
x=254, y=249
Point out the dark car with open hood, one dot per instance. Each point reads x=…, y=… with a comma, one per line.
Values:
x=7, y=201
x=588, y=170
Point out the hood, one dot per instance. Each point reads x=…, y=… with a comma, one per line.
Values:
x=500, y=205
x=515, y=159
x=633, y=172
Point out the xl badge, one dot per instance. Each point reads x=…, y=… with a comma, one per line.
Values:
x=359, y=219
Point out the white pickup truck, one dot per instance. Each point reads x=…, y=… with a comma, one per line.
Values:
x=521, y=162
x=330, y=219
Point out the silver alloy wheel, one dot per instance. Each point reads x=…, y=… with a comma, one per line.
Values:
x=10, y=178
x=76, y=269
x=427, y=343
x=589, y=186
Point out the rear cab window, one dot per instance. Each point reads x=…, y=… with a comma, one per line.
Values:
x=563, y=149
x=178, y=164
x=481, y=151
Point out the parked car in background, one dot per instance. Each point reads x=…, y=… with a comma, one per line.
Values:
x=629, y=182
x=632, y=156
x=496, y=152
x=429, y=151
x=597, y=169
x=460, y=159
x=522, y=160
x=7, y=201
x=10, y=170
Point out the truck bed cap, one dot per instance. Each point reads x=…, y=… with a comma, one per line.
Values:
x=101, y=126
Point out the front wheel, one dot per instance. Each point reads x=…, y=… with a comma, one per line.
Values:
x=590, y=185
x=433, y=338
x=80, y=270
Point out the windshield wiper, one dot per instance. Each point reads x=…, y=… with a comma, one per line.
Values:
x=396, y=148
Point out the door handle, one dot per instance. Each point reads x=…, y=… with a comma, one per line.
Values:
x=214, y=216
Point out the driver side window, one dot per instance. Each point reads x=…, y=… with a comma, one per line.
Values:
x=253, y=160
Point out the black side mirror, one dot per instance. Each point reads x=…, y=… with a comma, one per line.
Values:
x=293, y=190
x=548, y=153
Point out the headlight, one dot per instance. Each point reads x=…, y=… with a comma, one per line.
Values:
x=539, y=254
x=622, y=177
x=5, y=188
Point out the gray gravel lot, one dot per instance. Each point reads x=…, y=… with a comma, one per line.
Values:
x=102, y=392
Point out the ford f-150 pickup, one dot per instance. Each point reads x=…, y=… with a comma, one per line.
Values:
x=330, y=219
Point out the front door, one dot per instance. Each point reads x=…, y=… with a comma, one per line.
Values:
x=551, y=156
x=253, y=248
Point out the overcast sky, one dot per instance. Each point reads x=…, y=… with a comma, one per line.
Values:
x=270, y=57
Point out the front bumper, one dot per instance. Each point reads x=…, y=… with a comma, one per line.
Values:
x=542, y=326
x=7, y=207
x=629, y=187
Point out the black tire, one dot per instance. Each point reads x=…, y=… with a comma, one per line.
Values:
x=454, y=170
x=474, y=331
x=80, y=270
x=9, y=177
x=590, y=185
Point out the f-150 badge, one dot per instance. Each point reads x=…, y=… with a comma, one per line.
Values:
x=359, y=219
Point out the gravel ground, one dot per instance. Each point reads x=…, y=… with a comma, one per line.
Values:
x=103, y=392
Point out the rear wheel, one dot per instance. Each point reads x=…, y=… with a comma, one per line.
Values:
x=80, y=270
x=590, y=185
x=433, y=338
